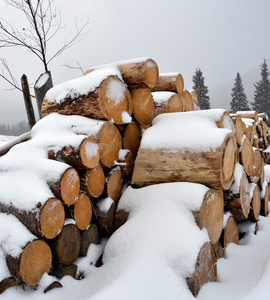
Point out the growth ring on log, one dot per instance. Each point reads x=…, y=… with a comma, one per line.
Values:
x=36, y=260
x=89, y=158
x=52, y=218
x=70, y=186
x=83, y=211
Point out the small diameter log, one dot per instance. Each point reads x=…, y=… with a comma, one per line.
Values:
x=214, y=168
x=218, y=250
x=238, y=127
x=230, y=232
x=60, y=270
x=205, y=269
x=166, y=102
x=81, y=211
x=143, y=106
x=45, y=220
x=132, y=138
x=104, y=215
x=264, y=199
x=210, y=215
x=126, y=163
x=257, y=167
x=248, y=115
x=93, y=181
x=108, y=99
x=139, y=73
x=189, y=104
x=238, y=197
x=246, y=157
x=264, y=116
x=54, y=285
x=67, y=187
x=255, y=203
x=67, y=245
x=84, y=156
x=88, y=237
x=173, y=82
x=113, y=184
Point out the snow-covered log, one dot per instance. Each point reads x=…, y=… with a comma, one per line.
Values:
x=21, y=249
x=143, y=106
x=180, y=148
x=169, y=82
x=100, y=95
x=136, y=73
x=166, y=102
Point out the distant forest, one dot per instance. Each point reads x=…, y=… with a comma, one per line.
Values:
x=15, y=129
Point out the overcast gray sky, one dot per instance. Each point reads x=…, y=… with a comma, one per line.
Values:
x=222, y=37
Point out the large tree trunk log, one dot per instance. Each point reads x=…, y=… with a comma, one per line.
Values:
x=113, y=184
x=88, y=237
x=210, y=215
x=67, y=245
x=173, y=82
x=67, y=188
x=214, y=169
x=81, y=211
x=143, y=106
x=140, y=73
x=83, y=156
x=107, y=100
x=21, y=249
x=255, y=203
x=104, y=215
x=205, y=269
x=44, y=220
x=230, y=232
x=93, y=181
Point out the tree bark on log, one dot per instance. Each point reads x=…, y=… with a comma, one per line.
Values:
x=101, y=104
x=143, y=106
x=205, y=269
x=169, y=83
x=8, y=283
x=84, y=156
x=44, y=221
x=230, y=233
x=210, y=215
x=214, y=169
x=81, y=211
x=93, y=181
x=88, y=237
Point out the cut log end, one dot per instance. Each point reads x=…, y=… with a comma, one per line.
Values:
x=189, y=104
x=89, y=153
x=230, y=234
x=52, y=218
x=115, y=185
x=83, y=212
x=175, y=104
x=229, y=161
x=114, y=99
x=205, y=269
x=93, y=182
x=70, y=186
x=151, y=73
x=36, y=260
x=255, y=205
x=132, y=137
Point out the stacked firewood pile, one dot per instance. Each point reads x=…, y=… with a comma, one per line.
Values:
x=94, y=141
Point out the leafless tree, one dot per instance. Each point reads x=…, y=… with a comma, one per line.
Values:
x=44, y=23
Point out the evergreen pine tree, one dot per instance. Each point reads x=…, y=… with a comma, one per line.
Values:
x=239, y=98
x=262, y=92
x=200, y=89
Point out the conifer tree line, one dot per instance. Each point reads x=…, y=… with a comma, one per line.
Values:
x=15, y=129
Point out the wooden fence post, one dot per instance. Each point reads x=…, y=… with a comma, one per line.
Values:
x=27, y=101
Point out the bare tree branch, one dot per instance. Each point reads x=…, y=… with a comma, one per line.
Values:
x=79, y=67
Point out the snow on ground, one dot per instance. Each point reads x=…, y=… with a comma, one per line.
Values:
x=5, y=139
x=150, y=255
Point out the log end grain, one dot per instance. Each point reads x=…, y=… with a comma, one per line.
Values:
x=89, y=153
x=132, y=138
x=175, y=104
x=35, y=260
x=88, y=237
x=115, y=185
x=83, y=211
x=230, y=234
x=93, y=181
x=189, y=104
x=151, y=73
x=52, y=218
x=70, y=186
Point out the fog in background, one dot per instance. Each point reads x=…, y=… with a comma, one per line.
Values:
x=219, y=37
